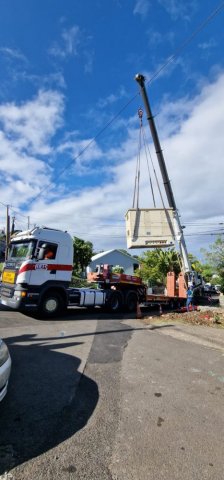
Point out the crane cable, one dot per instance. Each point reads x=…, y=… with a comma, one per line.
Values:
x=135, y=203
x=154, y=171
x=146, y=155
x=142, y=139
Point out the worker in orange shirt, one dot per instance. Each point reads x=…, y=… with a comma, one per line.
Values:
x=49, y=254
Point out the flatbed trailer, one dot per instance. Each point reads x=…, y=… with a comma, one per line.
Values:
x=154, y=299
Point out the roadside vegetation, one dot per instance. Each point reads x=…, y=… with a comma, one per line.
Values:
x=206, y=316
x=154, y=264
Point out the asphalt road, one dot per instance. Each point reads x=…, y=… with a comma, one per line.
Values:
x=93, y=397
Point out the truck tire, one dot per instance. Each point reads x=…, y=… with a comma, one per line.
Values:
x=131, y=302
x=114, y=303
x=52, y=305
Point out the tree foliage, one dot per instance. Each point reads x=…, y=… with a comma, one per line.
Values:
x=155, y=264
x=215, y=254
x=117, y=269
x=205, y=269
x=83, y=252
x=215, y=258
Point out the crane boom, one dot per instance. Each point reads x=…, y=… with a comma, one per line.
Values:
x=167, y=185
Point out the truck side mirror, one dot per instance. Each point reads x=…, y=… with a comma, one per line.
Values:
x=41, y=253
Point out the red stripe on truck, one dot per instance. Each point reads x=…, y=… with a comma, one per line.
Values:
x=47, y=266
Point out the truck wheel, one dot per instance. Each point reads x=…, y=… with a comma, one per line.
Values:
x=52, y=304
x=114, y=302
x=131, y=302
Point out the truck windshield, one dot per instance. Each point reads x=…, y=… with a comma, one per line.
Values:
x=21, y=250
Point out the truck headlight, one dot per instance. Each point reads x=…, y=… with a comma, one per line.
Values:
x=19, y=294
x=4, y=353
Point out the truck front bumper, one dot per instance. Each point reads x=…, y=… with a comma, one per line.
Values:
x=11, y=302
x=17, y=299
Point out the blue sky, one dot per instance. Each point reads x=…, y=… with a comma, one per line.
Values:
x=68, y=113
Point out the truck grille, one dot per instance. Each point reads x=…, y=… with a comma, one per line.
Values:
x=6, y=292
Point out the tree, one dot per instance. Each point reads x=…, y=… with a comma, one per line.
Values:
x=155, y=264
x=2, y=245
x=215, y=258
x=216, y=254
x=83, y=252
x=117, y=269
x=205, y=269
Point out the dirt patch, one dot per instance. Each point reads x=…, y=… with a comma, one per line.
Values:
x=212, y=317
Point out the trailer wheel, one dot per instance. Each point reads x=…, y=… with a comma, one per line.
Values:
x=114, y=303
x=131, y=302
x=52, y=305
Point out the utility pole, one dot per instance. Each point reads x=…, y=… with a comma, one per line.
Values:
x=7, y=231
x=13, y=225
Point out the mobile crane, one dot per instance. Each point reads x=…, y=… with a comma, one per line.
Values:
x=192, y=277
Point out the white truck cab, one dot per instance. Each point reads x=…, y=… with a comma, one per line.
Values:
x=29, y=270
x=37, y=273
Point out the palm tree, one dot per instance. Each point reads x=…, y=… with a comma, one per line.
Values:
x=168, y=261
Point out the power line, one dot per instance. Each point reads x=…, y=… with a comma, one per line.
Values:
x=4, y=204
x=186, y=42
x=99, y=235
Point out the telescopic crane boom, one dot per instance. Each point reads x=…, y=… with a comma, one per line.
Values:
x=168, y=189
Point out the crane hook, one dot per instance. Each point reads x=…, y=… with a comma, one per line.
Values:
x=140, y=114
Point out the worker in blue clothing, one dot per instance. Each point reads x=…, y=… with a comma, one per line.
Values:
x=190, y=295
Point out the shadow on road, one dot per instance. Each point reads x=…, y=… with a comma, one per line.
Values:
x=46, y=401
x=96, y=313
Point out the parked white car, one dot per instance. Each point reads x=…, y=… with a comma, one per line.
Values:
x=5, y=368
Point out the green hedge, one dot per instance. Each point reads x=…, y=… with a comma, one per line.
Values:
x=81, y=283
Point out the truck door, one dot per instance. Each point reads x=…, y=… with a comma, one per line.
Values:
x=45, y=267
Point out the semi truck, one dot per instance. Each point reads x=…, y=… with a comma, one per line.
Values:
x=34, y=280
x=38, y=271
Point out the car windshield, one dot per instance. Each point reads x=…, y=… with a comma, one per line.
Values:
x=22, y=250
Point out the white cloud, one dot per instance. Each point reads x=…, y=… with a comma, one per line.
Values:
x=157, y=38
x=207, y=48
x=175, y=8
x=179, y=8
x=112, y=98
x=69, y=45
x=83, y=152
x=14, y=54
x=142, y=7
x=74, y=43
x=26, y=132
x=43, y=82
x=207, y=45
x=166, y=68
x=33, y=123
x=89, y=57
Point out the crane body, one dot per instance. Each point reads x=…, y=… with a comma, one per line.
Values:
x=178, y=230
